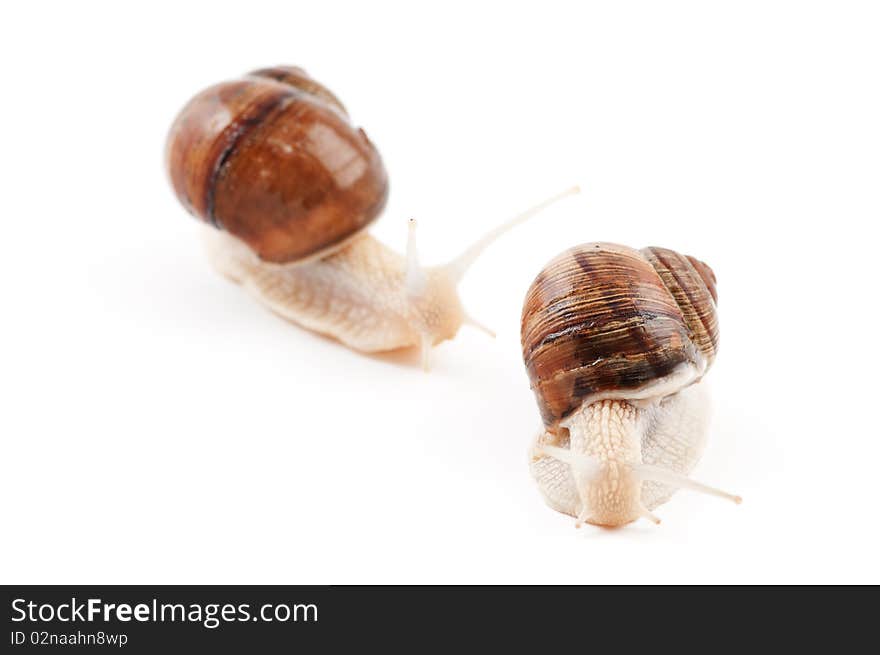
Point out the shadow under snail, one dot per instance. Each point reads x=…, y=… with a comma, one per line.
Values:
x=615, y=342
x=288, y=185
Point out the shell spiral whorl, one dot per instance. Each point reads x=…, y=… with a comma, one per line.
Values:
x=604, y=320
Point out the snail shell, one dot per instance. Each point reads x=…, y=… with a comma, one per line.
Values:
x=273, y=159
x=608, y=321
x=614, y=340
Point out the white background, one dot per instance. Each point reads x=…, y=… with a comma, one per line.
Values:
x=158, y=426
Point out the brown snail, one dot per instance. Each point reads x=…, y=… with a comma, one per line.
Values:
x=288, y=185
x=615, y=342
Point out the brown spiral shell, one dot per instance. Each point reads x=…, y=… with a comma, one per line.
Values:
x=608, y=319
x=274, y=159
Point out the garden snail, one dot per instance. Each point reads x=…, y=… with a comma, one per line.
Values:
x=615, y=342
x=288, y=185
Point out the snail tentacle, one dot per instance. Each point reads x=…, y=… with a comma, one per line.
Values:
x=657, y=474
x=457, y=267
x=645, y=513
x=415, y=274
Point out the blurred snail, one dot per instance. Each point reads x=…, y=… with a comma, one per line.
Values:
x=615, y=342
x=272, y=163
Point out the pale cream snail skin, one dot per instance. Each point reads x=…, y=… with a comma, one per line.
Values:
x=287, y=187
x=616, y=342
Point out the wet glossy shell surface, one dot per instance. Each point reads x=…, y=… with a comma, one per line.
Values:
x=273, y=159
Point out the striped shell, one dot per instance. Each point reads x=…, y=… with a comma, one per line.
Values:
x=273, y=159
x=603, y=320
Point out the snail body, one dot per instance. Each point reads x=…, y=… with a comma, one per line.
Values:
x=358, y=295
x=287, y=187
x=616, y=342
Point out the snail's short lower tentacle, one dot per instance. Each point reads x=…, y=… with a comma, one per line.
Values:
x=645, y=513
x=425, y=346
x=584, y=515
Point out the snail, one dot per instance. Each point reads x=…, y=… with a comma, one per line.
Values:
x=616, y=342
x=287, y=187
